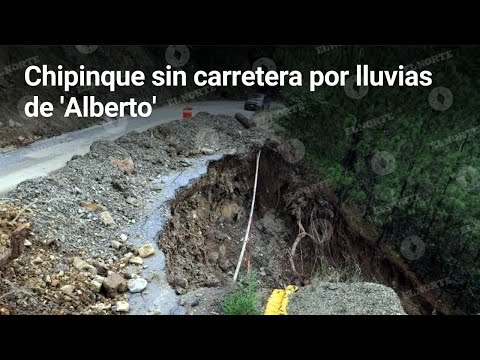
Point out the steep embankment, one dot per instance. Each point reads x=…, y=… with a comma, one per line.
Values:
x=139, y=224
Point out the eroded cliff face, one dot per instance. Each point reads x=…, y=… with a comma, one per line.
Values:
x=95, y=218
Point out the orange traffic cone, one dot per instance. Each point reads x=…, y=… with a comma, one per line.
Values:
x=187, y=112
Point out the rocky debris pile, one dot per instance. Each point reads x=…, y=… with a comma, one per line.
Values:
x=206, y=134
x=79, y=259
x=44, y=281
x=79, y=205
x=345, y=299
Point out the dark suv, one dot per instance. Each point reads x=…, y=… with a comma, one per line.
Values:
x=257, y=101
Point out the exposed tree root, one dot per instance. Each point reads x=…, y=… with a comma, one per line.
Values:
x=17, y=240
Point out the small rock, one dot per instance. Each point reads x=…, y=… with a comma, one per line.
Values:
x=129, y=272
x=146, y=250
x=125, y=165
x=99, y=278
x=180, y=291
x=102, y=269
x=101, y=306
x=132, y=201
x=224, y=265
x=180, y=281
x=136, y=260
x=137, y=285
x=207, y=151
x=185, y=163
x=27, y=243
x=116, y=244
x=113, y=284
x=120, y=185
x=123, y=237
x=212, y=256
x=82, y=265
x=194, y=302
x=54, y=283
x=54, y=243
x=95, y=286
x=157, y=187
x=122, y=306
x=4, y=311
x=107, y=219
x=262, y=272
x=92, y=206
x=68, y=289
x=212, y=281
x=38, y=260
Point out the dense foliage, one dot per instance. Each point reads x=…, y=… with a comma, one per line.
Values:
x=406, y=157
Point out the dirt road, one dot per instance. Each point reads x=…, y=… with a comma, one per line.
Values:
x=48, y=155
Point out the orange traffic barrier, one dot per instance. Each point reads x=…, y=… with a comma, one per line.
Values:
x=187, y=112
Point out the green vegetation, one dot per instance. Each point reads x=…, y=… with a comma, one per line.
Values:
x=245, y=299
x=408, y=159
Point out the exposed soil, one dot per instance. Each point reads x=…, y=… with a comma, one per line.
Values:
x=204, y=236
x=203, y=239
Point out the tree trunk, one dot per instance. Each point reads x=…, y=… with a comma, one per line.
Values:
x=242, y=119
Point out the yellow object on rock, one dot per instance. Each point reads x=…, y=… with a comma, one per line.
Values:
x=278, y=301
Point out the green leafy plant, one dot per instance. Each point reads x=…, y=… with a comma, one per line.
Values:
x=245, y=299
